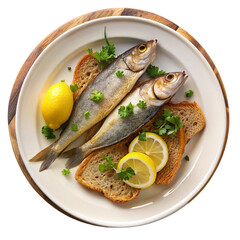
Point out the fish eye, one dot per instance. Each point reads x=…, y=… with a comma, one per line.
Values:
x=142, y=48
x=170, y=77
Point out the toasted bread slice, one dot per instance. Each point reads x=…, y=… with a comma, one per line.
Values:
x=106, y=182
x=193, y=122
x=86, y=70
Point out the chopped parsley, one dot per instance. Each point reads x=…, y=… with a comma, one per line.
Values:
x=142, y=104
x=124, y=174
x=126, y=111
x=74, y=88
x=65, y=171
x=48, y=132
x=186, y=158
x=167, y=123
x=62, y=80
x=142, y=136
x=153, y=71
x=69, y=68
x=86, y=114
x=96, y=96
x=105, y=55
x=189, y=93
x=120, y=73
x=74, y=127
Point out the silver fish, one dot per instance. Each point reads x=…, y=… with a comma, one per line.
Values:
x=155, y=93
x=133, y=63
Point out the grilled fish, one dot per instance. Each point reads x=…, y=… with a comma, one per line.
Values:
x=133, y=64
x=155, y=93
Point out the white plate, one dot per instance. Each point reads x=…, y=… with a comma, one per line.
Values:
x=173, y=53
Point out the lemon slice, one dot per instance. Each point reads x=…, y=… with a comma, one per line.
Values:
x=143, y=166
x=154, y=146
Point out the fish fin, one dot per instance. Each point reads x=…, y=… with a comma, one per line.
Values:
x=42, y=154
x=77, y=155
x=52, y=155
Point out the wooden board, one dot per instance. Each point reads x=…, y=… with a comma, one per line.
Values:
x=59, y=31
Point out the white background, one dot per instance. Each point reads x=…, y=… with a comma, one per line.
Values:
x=213, y=214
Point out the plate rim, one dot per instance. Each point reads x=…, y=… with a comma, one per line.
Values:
x=13, y=101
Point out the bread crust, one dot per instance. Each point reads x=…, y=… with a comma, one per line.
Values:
x=167, y=174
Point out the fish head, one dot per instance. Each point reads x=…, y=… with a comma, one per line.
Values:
x=167, y=85
x=141, y=56
x=161, y=89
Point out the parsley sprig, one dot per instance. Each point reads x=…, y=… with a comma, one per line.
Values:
x=189, y=93
x=123, y=174
x=74, y=127
x=66, y=171
x=74, y=88
x=142, y=104
x=105, y=55
x=120, y=73
x=154, y=71
x=167, y=123
x=126, y=111
x=48, y=132
x=96, y=96
x=142, y=136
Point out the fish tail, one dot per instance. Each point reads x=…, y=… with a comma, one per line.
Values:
x=42, y=154
x=52, y=155
x=68, y=153
x=76, y=156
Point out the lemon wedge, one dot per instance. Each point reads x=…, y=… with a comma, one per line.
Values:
x=144, y=169
x=154, y=146
x=57, y=105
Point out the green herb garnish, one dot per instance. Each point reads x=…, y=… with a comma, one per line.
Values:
x=142, y=104
x=69, y=68
x=186, y=158
x=74, y=127
x=126, y=111
x=189, y=93
x=142, y=136
x=106, y=55
x=120, y=73
x=125, y=174
x=48, y=132
x=153, y=71
x=65, y=171
x=62, y=80
x=167, y=123
x=86, y=114
x=74, y=88
x=96, y=96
